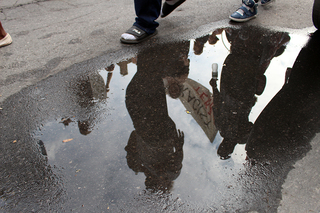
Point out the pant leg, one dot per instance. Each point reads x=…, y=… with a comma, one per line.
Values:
x=147, y=12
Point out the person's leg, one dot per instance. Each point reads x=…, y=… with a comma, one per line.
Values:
x=5, y=38
x=147, y=12
x=2, y=32
x=247, y=11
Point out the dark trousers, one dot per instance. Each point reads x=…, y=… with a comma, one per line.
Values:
x=147, y=12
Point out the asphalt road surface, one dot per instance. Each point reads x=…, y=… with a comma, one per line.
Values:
x=58, y=44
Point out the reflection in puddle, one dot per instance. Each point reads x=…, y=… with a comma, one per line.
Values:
x=157, y=122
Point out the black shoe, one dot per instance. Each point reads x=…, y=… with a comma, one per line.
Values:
x=139, y=35
x=167, y=8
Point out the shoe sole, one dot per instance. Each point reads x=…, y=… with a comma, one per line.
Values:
x=242, y=20
x=138, y=41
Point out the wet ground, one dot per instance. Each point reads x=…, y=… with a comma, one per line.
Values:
x=155, y=132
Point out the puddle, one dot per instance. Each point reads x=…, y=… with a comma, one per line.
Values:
x=151, y=134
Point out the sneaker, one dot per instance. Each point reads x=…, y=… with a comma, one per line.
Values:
x=266, y=2
x=244, y=14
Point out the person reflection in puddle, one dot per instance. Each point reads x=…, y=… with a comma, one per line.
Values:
x=90, y=89
x=155, y=147
x=173, y=82
x=242, y=78
x=199, y=44
x=282, y=135
x=292, y=116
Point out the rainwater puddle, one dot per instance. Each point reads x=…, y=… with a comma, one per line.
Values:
x=151, y=134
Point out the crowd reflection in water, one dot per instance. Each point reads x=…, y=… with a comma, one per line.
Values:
x=279, y=137
x=242, y=78
x=155, y=147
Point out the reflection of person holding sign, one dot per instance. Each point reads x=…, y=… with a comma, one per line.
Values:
x=242, y=78
x=155, y=146
x=173, y=81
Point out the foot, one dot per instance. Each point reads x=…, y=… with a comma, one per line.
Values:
x=244, y=13
x=135, y=35
x=169, y=6
x=226, y=149
x=6, y=40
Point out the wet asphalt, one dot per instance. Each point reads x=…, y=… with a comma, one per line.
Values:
x=91, y=125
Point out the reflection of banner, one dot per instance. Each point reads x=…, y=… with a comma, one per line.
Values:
x=198, y=100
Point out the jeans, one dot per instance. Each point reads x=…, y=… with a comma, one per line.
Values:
x=147, y=12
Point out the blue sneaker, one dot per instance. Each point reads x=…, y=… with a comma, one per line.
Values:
x=266, y=2
x=249, y=3
x=244, y=14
